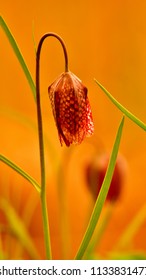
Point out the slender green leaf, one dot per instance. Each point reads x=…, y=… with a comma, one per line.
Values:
x=33, y=38
x=25, y=120
x=21, y=172
x=122, y=108
x=132, y=255
x=2, y=255
x=2, y=252
x=18, y=228
x=131, y=230
x=100, y=229
x=18, y=55
x=102, y=196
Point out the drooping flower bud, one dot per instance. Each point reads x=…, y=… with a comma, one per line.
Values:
x=71, y=109
x=95, y=173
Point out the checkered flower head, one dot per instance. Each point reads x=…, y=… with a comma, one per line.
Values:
x=71, y=109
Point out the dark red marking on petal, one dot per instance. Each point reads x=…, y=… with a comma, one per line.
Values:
x=71, y=109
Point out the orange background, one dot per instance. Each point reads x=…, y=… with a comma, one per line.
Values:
x=105, y=40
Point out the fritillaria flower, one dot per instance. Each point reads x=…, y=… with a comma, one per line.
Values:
x=71, y=109
x=95, y=172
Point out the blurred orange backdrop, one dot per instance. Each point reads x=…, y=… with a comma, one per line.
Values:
x=105, y=40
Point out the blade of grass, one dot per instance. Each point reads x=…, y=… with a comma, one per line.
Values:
x=2, y=253
x=132, y=255
x=18, y=55
x=21, y=172
x=122, y=108
x=18, y=228
x=33, y=38
x=100, y=229
x=29, y=123
x=102, y=196
x=133, y=227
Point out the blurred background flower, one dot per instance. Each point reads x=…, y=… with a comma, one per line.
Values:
x=105, y=40
x=95, y=172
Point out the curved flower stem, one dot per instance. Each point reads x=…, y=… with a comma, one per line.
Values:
x=41, y=140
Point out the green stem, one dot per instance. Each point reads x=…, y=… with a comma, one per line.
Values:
x=41, y=140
